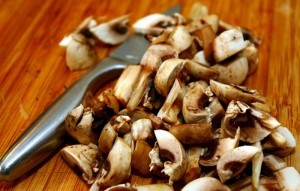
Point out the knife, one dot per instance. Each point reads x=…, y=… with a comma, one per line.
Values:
x=47, y=133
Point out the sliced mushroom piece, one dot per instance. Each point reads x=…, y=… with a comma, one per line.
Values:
x=256, y=166
x=120, y=187
x=156, y=165
x=213, y=21
x=72, y=119
x=84, y=157
x=232, y=72
x=157, y=187
x=199, y=57
x=198, y=133
x=200, y=72
x=254, y=127
x=107, y=138
x=272, y=163
x=166, y=75
x=142, y=129
x=117, y=164
x=84, y=129
x=176, y=93
x=141, y=113
x=251, y=53
x=126, y=82
x=173, y=151
x=113, y=32
x=121, y=123
x=233, y=162
x=228, y=43
x=153, y=24
x=220, y=146
x=193, y=170
x=198, y=11
x=226, y=93
x=140, y=156
x=205, y=183
x=288, y=179
x=80, y=54
x=180, y=38
x=197, y=106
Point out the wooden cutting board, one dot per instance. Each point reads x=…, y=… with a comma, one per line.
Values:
x=33, y=72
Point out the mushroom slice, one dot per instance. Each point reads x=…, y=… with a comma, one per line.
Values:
x=197, y=106
x=121, y=123
x=84, y=157
x=172, y=103
x=72, y=120
x=233, y=72
x=199, y=71
x=255, y=125
x=140, y=156
x=166, y=75
x=153, y=24
x=226, y=93
x=113, y=32
x=228, y=43
x=205, y=183
x=80, y=53
x=198, y=133
x=213, y=21
x=199, y=57
x=272, y=163
x=193, y=169
x=221, y=146
x=142, y=129
x=156, y=162
x=233, y=162
x=120, y=187
x=198, y=11
x=180, y=38
x=117, y=164
x=107, y=138
x=141, y=113
x=256, y=166
x=251, y=53
x=157, y=187
x=84, y=132
x=288, y=179
x=126, y=82
x=171, y=149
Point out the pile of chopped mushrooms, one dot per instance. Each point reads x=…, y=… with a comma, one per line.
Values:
x=182, y=115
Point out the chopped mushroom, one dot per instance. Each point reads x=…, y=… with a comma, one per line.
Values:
x=173, y=150
x=140, y=156
x=113, y=32
x=193, y=170
x=85, y=158
x=288, y=179
x=80, y=53
x=205, y=183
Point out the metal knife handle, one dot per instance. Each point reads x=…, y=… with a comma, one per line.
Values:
x=47, y=132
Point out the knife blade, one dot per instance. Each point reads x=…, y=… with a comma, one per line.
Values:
x=47, y=133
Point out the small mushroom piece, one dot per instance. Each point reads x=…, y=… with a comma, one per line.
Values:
x=117, y=164
x=232, y=72
x=126, y=82
x=107, y=138
x=156, y=162
x=166, y=75
x=220, y=147
x=199, y=71
x=213, y=21
x=113, y=32
x=110, y=100
x=121, y=123
x=256, y=166
x=141, y=113
x=197, y=106
x=255, y=125
x=193, y=170
x=174, y=97
x=198, y=11
x=84, y=129
x=173, y=150
x=272, y=163
x=120, y=187
x=140, y=156
x=80, y=54
x=180, y=38
x=233, y=162
x=226, y=93
x=251, y=53
x=142, y=129
x=153, y=24
x=228, y=43
x=205, y=183
x=199, y=57
x=198, y=133
x=151, y=187
x=72, y=120
x=84, y=157
x=288, y=179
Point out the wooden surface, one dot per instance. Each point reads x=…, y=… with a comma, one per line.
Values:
x=33, y=72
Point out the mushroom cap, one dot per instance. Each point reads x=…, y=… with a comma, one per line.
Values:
x=205, y=183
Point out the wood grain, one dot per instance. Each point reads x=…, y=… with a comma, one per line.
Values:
x=33, y=72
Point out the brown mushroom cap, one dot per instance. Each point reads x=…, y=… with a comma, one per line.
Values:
x=205, y=183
